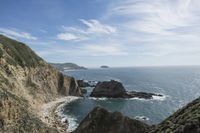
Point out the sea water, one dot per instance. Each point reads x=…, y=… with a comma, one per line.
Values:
x=179, y=85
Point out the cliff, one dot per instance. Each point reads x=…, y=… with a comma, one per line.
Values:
x=27, y=82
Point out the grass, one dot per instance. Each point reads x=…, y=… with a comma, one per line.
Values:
x=19, y=53
x=1, y=53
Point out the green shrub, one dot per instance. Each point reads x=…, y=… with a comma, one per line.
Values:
x=19, y=53
x=1, y=53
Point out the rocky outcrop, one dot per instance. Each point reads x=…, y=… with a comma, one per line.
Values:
x=82, y=83
x=27, y=82
x=74, y=88
x=104, y=66
x=111, y=88
x=100, y=120
x=115, y=89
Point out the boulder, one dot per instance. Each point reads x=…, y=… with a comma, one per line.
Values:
x=82, y=83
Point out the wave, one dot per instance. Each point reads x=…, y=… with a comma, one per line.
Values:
x=71, y=120
x=99, y=98
x=157, y=98
x=143, y=118
x=160, y=98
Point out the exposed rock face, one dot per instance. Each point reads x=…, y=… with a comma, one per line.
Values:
x=82, y=83
x=115, y=89
x=27, y=82
x=111, y=88
x=101, y=121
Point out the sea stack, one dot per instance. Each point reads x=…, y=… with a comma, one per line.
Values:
x=110, y=89
x=104, y=66
x=115, y=89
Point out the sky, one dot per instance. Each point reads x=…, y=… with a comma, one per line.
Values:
x=116, y=33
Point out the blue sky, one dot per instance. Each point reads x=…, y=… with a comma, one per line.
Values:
x=106, y=32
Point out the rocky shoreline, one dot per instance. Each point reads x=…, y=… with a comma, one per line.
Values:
x=49, y=113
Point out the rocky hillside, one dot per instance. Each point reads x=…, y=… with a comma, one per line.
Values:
x=27, y=82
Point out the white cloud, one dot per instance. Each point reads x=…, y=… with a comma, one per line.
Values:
x=13, y=33
x=67, y=36
x=152, y=32
x=84, y=50
x=158, y=16
x=74, y=30
x=104, y=50
x=93, y=28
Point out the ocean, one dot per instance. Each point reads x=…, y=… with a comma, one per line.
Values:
x=179, y=85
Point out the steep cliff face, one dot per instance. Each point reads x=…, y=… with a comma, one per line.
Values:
x=27, y=82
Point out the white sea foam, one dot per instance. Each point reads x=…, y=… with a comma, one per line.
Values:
x=136, y=98
x=157, y=98
x=46, y=108
x=143, y=118
x=99, y=98
x=160, y=98
x=72, y=121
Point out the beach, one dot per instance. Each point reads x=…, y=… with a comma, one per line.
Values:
x=50, y=113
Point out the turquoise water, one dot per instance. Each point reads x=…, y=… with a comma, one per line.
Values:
x=179, y=85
